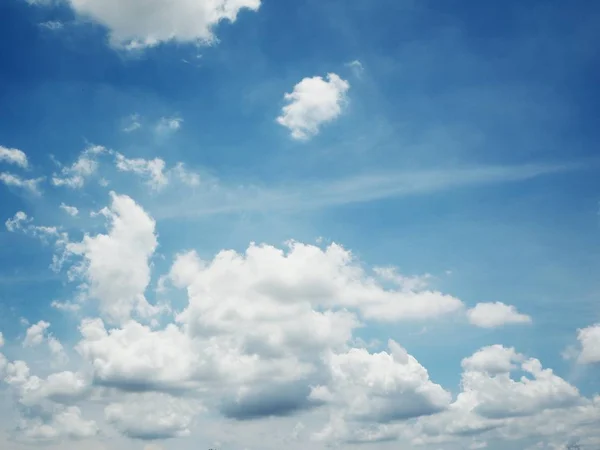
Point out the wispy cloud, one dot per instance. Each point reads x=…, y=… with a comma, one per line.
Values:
x=218, y=198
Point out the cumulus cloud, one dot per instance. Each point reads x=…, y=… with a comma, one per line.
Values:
x=46, y=410
x=115, y=266
x=36, y=334
x=313, y=102
x=493, y=315
x=498, y=396
x=13, y=156
x=133, y=24
x=378, y=388
x=269, y=332
x=1, y=340
x=589, y=339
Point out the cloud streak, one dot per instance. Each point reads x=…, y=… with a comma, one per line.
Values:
x=218, y=198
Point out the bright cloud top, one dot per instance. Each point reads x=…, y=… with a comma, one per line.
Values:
x=493, y=315
x=313, y=102
x=138, y=24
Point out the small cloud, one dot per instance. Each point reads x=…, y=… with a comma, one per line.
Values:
x=313, y=102
x=13, y=156
x=35, y=334
x=494, y=315
x=168, y=125
x=132, y=123
x=70, y=210
x=356, y=67
x=52, y=25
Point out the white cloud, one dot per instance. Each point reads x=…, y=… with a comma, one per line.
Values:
x=115, y=266
x=132, y=24
x=151, y=417
x=498, y=396
x=493, y=315
x=75, y=176
x=28, y=184
x=70, y=210
x=13, y=156
x=304, y=274
x=47, y=413
x=65, y=423
x=589, y=339
x=36, y=334
x=312, y=103
x=152, y=169
x=1, y=340
x=377, y=388
x=155, y=172
x=57, y=351
x=168, y=125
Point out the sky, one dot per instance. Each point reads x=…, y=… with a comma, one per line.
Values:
x=260, y=224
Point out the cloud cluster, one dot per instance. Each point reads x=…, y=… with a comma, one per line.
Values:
x=270, y=332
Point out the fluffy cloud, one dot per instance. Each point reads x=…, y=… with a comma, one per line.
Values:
x=30, y=184
x=493, y=315
x=378, y=388
x=35, y=334
x=493, y=405
x=1, y=340
x=488, y=384
x=45, y=405
x=13, y=156
x=313, y=102
x=589, y=339
x=115, y=266
x=65, y=423
x=271, y=332
x=301, y=275
x=136, y=358
x=135, y=24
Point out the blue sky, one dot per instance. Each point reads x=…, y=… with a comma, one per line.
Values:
x=455, y=142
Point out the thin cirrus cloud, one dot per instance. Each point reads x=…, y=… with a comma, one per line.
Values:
x=132, y=25
x=312, y=103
